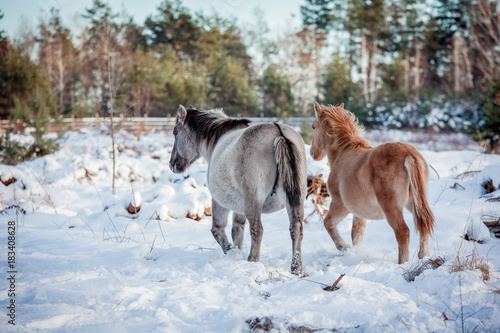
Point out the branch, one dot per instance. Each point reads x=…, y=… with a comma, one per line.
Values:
x=334, y=287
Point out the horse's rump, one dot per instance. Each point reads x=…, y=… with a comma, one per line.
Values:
x=259, y=159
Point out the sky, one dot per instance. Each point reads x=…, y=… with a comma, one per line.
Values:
x=18, y=13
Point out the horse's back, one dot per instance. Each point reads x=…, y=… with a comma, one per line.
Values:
x=364, y=176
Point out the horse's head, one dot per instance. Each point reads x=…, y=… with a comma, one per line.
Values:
x=335, y=128
x=185, y=150
x=318, y=149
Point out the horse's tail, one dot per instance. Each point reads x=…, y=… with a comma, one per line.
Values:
x=423, y=216
x=287, y=158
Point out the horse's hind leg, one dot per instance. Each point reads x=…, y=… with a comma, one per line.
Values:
x=424, y=247
x=336, y=213
x=394, y=216
x=238, y=229
x=219, y=222
x=296, y=215
x=253, y=211
x=358, y=230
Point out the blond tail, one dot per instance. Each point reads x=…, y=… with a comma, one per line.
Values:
x=418, y=173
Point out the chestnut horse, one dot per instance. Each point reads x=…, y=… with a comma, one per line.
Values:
x=371, y=183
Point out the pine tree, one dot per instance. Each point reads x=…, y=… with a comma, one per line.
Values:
x=277, y=100
x=59, y=59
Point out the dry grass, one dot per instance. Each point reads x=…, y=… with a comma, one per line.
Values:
x=471, y=263
x=467, y=175
x=421, y=266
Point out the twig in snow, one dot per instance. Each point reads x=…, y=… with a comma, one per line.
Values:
x=152, y=245
x=334, y=287
x=435, y=171
x=120, y=302
x=106, y=211
x=159, y=224
x=93, y=233
x=199, y=247
x=63, y=229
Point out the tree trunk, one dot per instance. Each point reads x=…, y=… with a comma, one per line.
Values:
x=373, y=70
x=456, y=64
x=111, y=114
x=364, y=66
x=407, y=73
x=469, y=83
x=417, y=66
x=60, y=67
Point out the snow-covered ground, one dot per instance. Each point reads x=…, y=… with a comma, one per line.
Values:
x=84, y=264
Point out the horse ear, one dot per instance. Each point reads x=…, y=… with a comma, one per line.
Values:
x=317, y=108
x=181, y=113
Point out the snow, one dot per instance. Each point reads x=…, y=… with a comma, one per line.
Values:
x=84, y=264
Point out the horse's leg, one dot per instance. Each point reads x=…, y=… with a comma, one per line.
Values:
x=424, y=247
x=336, y=213
x=394, y=216
x=296, y=215
x=253, y=211
x=358, y=230
x=219, y=222
x=238, y=229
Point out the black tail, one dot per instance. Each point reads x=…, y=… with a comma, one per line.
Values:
x=287, y=157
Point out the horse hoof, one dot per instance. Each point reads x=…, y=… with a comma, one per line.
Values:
x=253, y=259
x=227, y=248
x=343, y=247
x=296, y=270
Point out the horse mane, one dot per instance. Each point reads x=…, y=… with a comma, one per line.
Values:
x=343, y=127
x=212, y=125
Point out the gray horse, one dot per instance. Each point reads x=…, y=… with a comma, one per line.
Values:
x=251, y=170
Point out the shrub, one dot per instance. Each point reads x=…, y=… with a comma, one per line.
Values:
x=487, y=127
x=13, y=152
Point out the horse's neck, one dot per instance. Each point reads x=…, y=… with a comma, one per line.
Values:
x=206, y=150
x=333, y=155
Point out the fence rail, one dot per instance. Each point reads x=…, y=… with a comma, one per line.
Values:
x=133, y=124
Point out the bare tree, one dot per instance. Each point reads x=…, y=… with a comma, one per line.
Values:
x=107, y=57
x=58, y=57
x=485, y=33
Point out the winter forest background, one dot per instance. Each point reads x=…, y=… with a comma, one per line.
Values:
x=396, y=64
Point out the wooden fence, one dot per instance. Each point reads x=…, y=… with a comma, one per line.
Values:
x=132, y=124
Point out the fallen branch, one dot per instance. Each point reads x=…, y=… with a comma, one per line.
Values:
x=9, y=181
x=334, y=287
